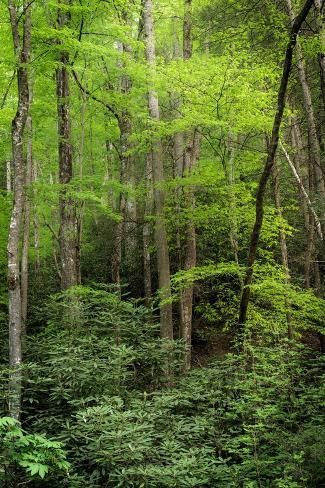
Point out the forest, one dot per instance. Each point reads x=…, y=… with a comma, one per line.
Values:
x=162, y=256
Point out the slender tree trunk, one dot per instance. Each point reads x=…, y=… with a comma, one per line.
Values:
x=283, y=245
x=303, y=191
x=190, y=156
x=298, y=157
x=255, y=236
x=119, y=228
x=147, y=233
x=320, y=6
x=68, y=218
x=36, y=223
x=315, y=151
x=125, y=228
x=178, y=150
x=22, y=48
x=81, y=205
x=230, y=175
x=296, y=142
x=166, y=322
x=26, y=225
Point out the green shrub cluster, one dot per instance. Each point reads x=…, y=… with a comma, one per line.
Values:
x=101, y=383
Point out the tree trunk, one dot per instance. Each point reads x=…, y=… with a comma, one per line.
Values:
x=125, y=228
x=36, y=224
x=283, y=245
x=297, y=144
x=22, y=51
x=319, y=6
x=255, y=236
x=304, y=193
x=190, y=156
x=68, y=218
x=315, y=151
x=230, y=175
x=147, y=234
x=166, y=322
x=9, y=175
x=26, y=224
x=178, y=151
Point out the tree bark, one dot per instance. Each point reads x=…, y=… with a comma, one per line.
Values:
x=230, y=175
x=166, y=322
x=146, y=233
x=190, y=156
x=315, y=152
x=22, y=47
x=319, y=7
x=283, y=245
x=9, y=175
x=304, y=192
x=26, y=225
x=255, y=236
x=68, y=217
x=125, y=230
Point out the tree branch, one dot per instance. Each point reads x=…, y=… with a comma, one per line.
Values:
x=304, y=192
x=93, y=97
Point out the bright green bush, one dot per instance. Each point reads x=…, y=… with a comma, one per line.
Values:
x=33, y=454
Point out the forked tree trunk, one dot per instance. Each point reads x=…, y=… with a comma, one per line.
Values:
x=68, y=218
x=255, y=236
x=22, y=48
x=166, y=322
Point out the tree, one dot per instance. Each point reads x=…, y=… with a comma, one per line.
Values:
x=68, y=218
x=273, y=144
x=166, y=320
x=22, y=49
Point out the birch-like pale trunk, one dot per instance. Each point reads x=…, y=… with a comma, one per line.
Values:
x=9, y=175
x=166, y=320
x=36, y=223
x=26, y=224
x=22, y=48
